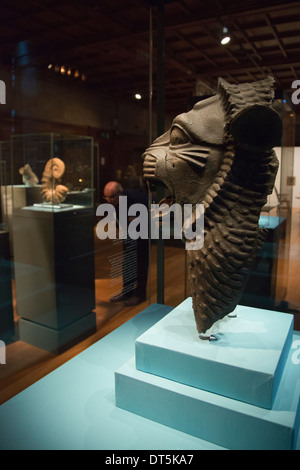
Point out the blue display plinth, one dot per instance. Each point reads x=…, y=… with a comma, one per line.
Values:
x=245, y=363
x=217, y=390
x=74, y=408
x=221, y=420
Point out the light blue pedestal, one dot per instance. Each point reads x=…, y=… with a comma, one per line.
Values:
x=245, y=363
x=226, y=422
x=73, y=407
x=204, y=388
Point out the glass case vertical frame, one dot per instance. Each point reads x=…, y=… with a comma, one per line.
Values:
x=7, y=328
x=286, y=109
x=5, y=178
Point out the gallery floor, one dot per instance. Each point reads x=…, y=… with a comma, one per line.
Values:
x=25, y=364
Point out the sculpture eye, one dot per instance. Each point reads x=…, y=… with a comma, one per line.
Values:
x=178, y=137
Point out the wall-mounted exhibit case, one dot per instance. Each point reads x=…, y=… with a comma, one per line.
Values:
x=53, y=239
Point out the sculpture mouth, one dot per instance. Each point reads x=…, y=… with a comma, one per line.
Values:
x=168, y=199
x=149, y=167
x=150, y=171
x=165, y=205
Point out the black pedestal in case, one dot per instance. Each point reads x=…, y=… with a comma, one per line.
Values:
x=7, y=330
x=54, y=274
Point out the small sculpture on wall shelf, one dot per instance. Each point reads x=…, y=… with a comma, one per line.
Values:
x=29, y=178
x=221, y=154
x=51, y=191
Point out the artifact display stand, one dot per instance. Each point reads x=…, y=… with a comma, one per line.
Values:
x=236, y=391
x=54, y=274
x=53, y=238
x=16, y=196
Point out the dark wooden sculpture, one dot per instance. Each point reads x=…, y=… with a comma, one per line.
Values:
x=220, y=154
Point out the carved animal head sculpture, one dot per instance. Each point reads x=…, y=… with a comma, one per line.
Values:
x=51, y=191
x=220, y=154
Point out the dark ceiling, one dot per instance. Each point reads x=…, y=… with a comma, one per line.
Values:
x=108, y=42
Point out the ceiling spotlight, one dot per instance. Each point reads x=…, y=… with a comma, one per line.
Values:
x=138, y=96
x=69, y=71
x=225, y=36
x=76, y=74
x=50, y=66
x=83, y=77
x=63, y=70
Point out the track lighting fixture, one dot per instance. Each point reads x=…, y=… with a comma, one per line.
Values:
x=225, y=36
x=64, y=70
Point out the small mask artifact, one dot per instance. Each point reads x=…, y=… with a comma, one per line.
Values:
x=221, y=154
x=29, y=178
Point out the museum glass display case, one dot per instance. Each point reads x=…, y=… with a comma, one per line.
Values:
x=53, y=238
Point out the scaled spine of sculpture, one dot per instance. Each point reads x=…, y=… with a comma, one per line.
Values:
x=51, y=191
x=232, y=176
x=218, y=273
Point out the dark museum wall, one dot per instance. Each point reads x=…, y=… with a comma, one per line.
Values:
x=120, y=129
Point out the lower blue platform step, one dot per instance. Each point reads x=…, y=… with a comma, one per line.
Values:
x=220, y=420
